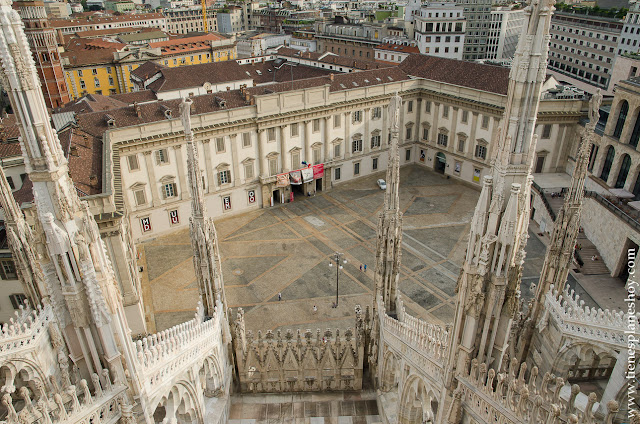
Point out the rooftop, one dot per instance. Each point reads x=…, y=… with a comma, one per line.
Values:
x=103, y=18
x=400, y=48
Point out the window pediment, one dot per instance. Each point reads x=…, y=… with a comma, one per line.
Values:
x=271, y=155
x=443, y=130
x=295, y=150
x=248, y=161
x=137, y=186
x=482, y=141
x=462, y=136
x=357, y=136
x=167, y=179
x=426, y=125
x=376, y=132
x=222, y=166
x=337, y=140
x=409, y=124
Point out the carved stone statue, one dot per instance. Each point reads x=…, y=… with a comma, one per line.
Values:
x=594, y=107
x=185, y=114
x=394, y=111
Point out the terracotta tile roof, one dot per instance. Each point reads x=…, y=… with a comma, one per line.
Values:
x=96, y=33
x=9, y=133
x=136, y=96
x=398, y=48
x=332, y=59
x=147, y=70
x=197, y=75
x=489, y=78
x=94, y=19
x=92, y=103
x=25, y=193
x=85, y=160
x=206, y=38
x=82, y=52
x=340, y=81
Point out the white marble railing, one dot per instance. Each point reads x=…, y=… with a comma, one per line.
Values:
x=578, y=320
x=429, y=339
x=24, y=331
x=163, y=355
x=508, y=398
x=73, y=404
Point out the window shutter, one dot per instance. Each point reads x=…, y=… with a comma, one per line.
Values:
x=175, y=189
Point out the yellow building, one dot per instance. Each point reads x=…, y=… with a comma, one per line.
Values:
x=98, y=66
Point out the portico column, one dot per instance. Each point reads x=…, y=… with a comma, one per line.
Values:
x=347, y=135
x=436, y=117
x=327, y=134
x=153, y=184
x=209, y=167
x=617, y=381
x=182, y=183
x=418, y=126
x=262, y=147
x=472, y=135
x=234, y=159
x=307, y=141
x=615, y=167
x=454, y=125
x=366, y=138
x=385, y=128
x=283, y=148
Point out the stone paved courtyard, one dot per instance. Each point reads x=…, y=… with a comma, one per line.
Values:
x=287, y=248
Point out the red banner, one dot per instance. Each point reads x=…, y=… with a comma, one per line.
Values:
x=282, y=180
x=318, y=171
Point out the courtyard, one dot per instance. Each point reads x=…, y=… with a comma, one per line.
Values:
x=287, y=248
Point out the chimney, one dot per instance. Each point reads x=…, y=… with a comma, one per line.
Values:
x=335, y=60
x=247, y=97
x=93, y=180
x=73, y=150
x=138, y=110
x=331, y=76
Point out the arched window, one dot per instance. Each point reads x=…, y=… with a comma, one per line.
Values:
x=635, y=135
x=624, y=171
x=608, y=161
x=622, y=116
x=636, y=188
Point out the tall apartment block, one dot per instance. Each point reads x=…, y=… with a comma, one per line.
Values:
x=439, y=29
x=42, y=41
x=504, y=32
x=478, y=16
x=584, y=47
x=630, y=37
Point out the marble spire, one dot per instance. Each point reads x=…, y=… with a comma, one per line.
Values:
x=558, y=257
x=204, y=238
x=389, y=243
x=489, y=283
x=21, y=244
x=78, y=273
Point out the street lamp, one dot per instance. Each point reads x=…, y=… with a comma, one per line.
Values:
x=338, y=258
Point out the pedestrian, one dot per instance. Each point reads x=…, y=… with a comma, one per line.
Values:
x=365, y=267
x=279, y=296
x=360, y=267
x=315, y=309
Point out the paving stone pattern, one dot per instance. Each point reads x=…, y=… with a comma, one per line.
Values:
x=286, y=249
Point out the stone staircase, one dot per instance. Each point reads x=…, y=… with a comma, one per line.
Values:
x=586, y=253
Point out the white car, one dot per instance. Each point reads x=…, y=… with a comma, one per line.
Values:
x=382, y=184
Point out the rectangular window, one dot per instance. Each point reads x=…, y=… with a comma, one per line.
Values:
x=408, y=133
x=336, y=174
x=427, y=107
x=336, y=121
x=443, y=139
x=273, y=166
x=170, y=190
x=375, y=141
x=248, y=171
x=271, y=134
x=445, y=111
x=465, y=116
x=485, y=122
x=356, y=146
x=461, y=145
x=374, y=164
x=162, y=157
x=17, y=300
x=316, y=156
x=82, y=84
x=246, y=139
x=407, y=154
x=294, y=130
x=425, y=133
x=140, y=197
x=376, y=113
x=481, y=151
x=336, y=151
x=133, y=162
x=357, y=116
x=94, y=71
x=219, y=144
x=96, y=82
x=295, y=160
x=224, y=177
x=111, y=82
x=316, y=125
x=9, y=270
x=11, y=184
x=546, y=131
x=410, y=106
x=80, y=73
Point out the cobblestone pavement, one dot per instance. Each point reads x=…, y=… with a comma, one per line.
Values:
x=286, y=249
